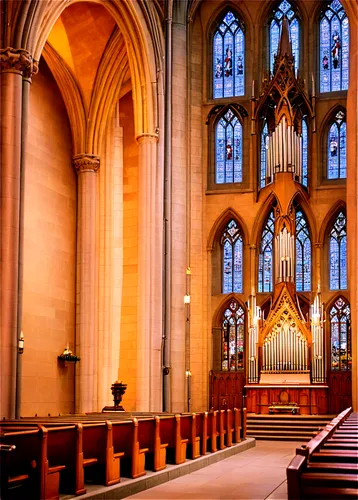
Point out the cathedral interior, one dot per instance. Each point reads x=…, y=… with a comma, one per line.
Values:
x=179, y=209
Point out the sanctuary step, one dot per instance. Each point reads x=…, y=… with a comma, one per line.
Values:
x=285, y=427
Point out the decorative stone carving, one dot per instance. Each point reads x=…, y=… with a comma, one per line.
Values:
x=18, y=61
x=85, y=163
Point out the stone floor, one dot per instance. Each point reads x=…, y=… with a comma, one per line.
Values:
x=258, y=473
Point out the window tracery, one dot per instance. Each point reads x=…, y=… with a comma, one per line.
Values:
x=340, y=335
x=304, y=153
x=228, y=149
x=232, y=243
x=265, y=278
x=232, y=340
x=336, y=152
x=334, y=48
x=229, y=58
x=303, y=254
x=284, y=9
x=338, y=254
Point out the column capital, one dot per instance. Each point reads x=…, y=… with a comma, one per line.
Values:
x=85, y=163
x=318, y=245
x=147, y=138
x=18, y=61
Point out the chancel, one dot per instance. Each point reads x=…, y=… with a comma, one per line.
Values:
x=179, y=207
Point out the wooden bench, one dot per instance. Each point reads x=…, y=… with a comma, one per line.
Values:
x=149, y=438
x=26, y=469
x=188, y=431
x=170, y=434
x=319, y=470
x=125, y=440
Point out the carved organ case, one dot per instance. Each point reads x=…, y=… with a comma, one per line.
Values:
x=286, y=347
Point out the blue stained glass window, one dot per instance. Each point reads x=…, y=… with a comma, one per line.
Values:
x=232, y=340
x=339, y=316
x=338, y=254
x=334, y=48
x=263, y=159
x=304, y=153
x=232, y=243
x=265, y=281
x=284, y=9
x=229, y=58
x=228, y=149
x=303, y=254
x=337, y=152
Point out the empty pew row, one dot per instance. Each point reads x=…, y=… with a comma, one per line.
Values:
x=48, y=456
x=327, y=467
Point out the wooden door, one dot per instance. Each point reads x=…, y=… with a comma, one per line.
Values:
x=340, y=391
x=226, y=390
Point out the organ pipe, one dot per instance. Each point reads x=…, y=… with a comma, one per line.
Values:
x=287, y=351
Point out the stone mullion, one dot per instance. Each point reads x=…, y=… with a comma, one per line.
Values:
x=86, y=167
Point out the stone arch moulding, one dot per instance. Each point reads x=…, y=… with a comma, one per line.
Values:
x=221, y=11
x=218, y=313
x=340, y=293
x=327, y=221
x=107, y=86
x=138, y=42
x=262, y=216
x=327, y=121
x=302, y=202
x=219, y=224
x=71, y=95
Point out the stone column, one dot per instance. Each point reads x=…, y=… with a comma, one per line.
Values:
x=149, y=277
x=13, y=63
x=86, y=382
x=181, y=359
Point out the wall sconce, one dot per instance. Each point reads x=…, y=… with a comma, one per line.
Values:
x=188, y=373
x=186, y=298
x=20, y=344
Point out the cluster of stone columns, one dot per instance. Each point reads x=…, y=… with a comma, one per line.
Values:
x=17, y=68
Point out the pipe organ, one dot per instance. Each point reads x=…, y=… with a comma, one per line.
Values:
x=318, y=368
x=284, y=151
x=284, y=256
x=285, y=351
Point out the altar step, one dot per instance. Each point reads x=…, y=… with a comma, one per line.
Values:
x=285, y=427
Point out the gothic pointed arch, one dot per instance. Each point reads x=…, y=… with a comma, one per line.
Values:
x=339, y=320
x=333, y=47
x=332, y=213
x=144, y=56
x=333, y=139
x=271, y=201
x=300, y=199
x=221, y=222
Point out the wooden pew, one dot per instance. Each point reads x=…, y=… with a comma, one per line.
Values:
x=149, y=438
x=27, y=467
x=212, y=430
x=125, y=440
x=237, y=425
x=170, y=434
x=321, y=471
x=188, y=431
x=201, y=422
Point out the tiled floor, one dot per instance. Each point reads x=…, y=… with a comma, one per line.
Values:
x=257, y=474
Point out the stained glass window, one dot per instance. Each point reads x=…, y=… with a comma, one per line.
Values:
x=337, y=152
x=228, y=149
x=229, y=58
x=304, y=153
x=264, y=148
x=233, y=334
x=334, y=48
x=303, y=254
x=339, y=316
x=232, y=244
x=265, y=281
x=284, y=9
x=338, y=254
